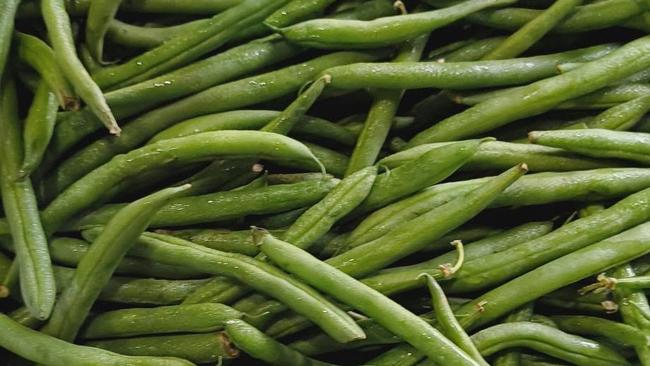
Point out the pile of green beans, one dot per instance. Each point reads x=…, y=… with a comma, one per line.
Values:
x=325, y=182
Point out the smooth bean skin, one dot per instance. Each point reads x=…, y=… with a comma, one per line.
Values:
x=540, y=96
x=96, y=268
x=197, y=348
x=59, y=29
x=262, y=347
x=37, y=54
x=501, y=155
x=296, y=11
x=554, y=274
x=234, y=241
x=232, y=95
x=401, y=355
x=399, y=279
x=197, y=318
x=38, y=128
x=100, y=14
x=144, y=37
x=383, y=310
x=534, y=189
x=599, y=143
x=21, y=209
x=222, y=206
x=250, y=119
x=87, y=191
x=197, y=7
x=593, y=326
x=577, y=350
x=381, y=32
x=7, y=15
x=458, y=75
x=52, y=351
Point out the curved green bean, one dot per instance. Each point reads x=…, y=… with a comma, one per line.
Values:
x=52, y=351
x=593, y=326
x=458, y=75
x=577, y=350
x=296, y=11
x=100, y=15
x=540, y=96
x=383, y=310
x=37, y=54
x=21, y=209
x=57, y=23
x=381, y=32
x=148, y=36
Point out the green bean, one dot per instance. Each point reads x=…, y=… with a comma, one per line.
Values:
x=382, y=112
x=147, y=37
x=222, y=205
x=335, y=162
x=5, y=265
x=9, y=285
x=70, y=251
x=22, y=341
x=458, y=75
x=188, y=46
x=100, y=15
x=260, y=346
x=58, y=25
x=254, y=120
x=21, y=209
x=622, y=116
x=426, y=170
x=198, y=318
x=541, y=338
x=569, y=298
x=80, y=7
x=328, y=33
x=398, y=279
x=555, y=273
x=91, y=188
x=513, y=357
x=296, y=11
x=288, y=178
x=539, y=96
x=384, y=311
x=38, y=128
x=633, y=306
x=97, y=266
x=474, y=51
x=533, y=31
x=598, y=15
x=414, y=235
x=197, y=348
x=220, y=239
x=233, y=95
x=401, y=355
x=593, y=326
x=597, y=143
x=499, y=155
x=448, y=323
x=37, y=54
x=7, y=15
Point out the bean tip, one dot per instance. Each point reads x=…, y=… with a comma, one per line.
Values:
x=523, y=167
x=228, y=346
x=533, y=136
x=258, y=234
x=4, y=292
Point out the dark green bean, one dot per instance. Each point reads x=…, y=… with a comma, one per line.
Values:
x=540, y=96
x=265, y=348
x=501, y=155
x=197, y=348
x=534, y=189
x=37, y=54
x=52, y=351
x=80, y=7
x=513, y=357
x=564, y=270
x=233, y=95
x=577, y=350
x=458, y=75
x=474, y=51
x=100, y=15
x=221, y=239
x=533, y=31
x=222, y=206
x=147, y=37
x=384, y=311
x=296, y=11
x=446, y=320
x=7, y=15
x=328, y=33
x=60, y=33
x=38, y=128
x=597, y=143
x=21, y=209
x=402, y=355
